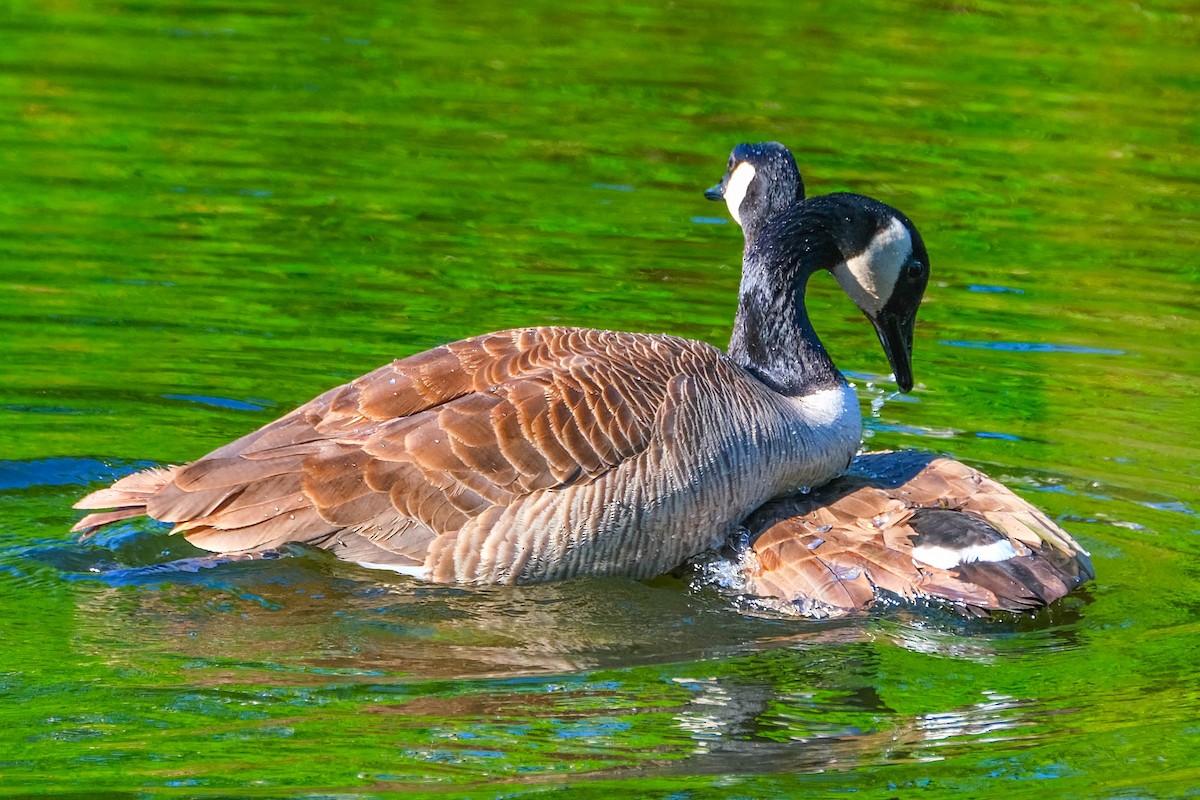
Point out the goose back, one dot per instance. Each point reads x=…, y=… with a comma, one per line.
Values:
x=519, y=456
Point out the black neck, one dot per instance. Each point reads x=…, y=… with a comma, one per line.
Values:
x=772, y=336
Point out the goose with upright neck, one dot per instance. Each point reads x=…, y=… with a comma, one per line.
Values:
x=541, y=454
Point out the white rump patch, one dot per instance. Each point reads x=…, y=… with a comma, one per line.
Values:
x=870, y=276
x=736, y=186
x=945, y=558
x=418, y=572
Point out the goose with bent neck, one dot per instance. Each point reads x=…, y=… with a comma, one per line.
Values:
x=874, y=252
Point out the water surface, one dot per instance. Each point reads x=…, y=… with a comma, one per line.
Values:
x=211, y=213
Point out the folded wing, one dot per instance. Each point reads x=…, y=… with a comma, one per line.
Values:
x=378, y=469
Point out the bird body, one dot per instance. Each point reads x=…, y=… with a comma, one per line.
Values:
x=543, y=453
x=912, y=526
x=518, y=456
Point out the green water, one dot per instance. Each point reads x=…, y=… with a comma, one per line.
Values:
x=210, y=213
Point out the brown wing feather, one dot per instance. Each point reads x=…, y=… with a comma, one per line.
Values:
x=834, y=548
x=389, y=462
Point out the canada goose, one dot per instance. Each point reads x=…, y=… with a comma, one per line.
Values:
x=544, y=453
x=911, y=525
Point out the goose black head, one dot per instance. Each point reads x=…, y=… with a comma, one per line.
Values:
x=874, y=251
x=761, y=181
x=884, y=268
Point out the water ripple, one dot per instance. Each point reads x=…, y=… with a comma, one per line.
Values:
x=58, y=472
x=1032, y=347
x=221, y=402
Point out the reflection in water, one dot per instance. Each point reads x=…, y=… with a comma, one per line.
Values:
x=299, y=610
x=596, y=679
x=754, y=729
x=700, y=725
x=984, y=719
x=465, y=683
x=303, y=611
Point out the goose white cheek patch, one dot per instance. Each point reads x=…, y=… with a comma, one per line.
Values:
x=735, y=188
x=871, y=275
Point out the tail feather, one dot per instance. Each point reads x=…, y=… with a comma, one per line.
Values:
x=127, y=497
x=91, y=522
x=131, y=490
